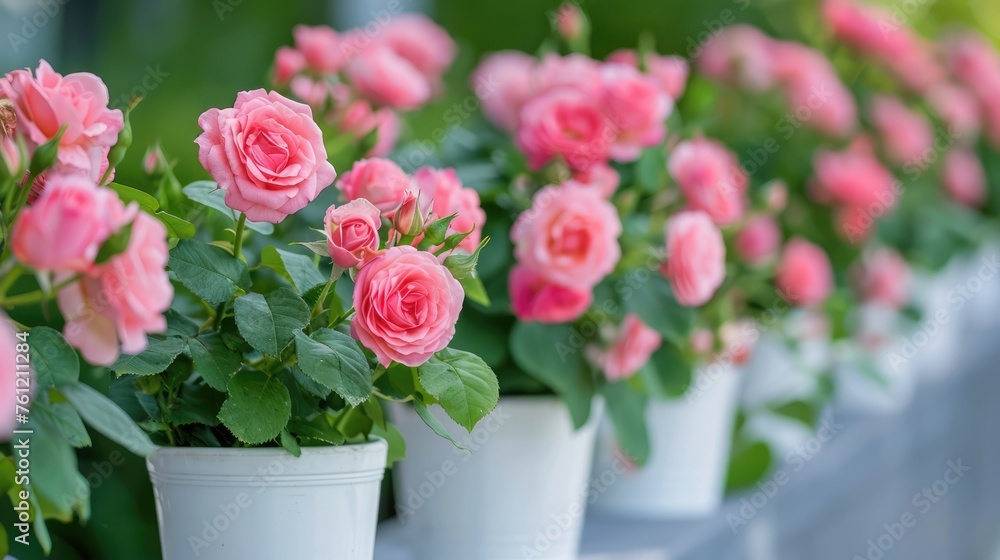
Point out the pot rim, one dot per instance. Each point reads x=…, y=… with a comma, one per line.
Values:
x=374, y=445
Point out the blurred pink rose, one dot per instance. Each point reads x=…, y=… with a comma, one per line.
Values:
x=569, y=236
x=442, y=193
x=853, y=177
x=79, y=102
x=267, y=154
x=320, y=47
x=907, y=135
x=696, y=257
x=776, y=196
x=975, y=63
x=804, y=276
x=702, y=341
x=568, y=123
x=739, y=55
x=739, y=338
x=125, y=299
x=288, y=62
x=385, y=77
x=359, y=119
x=671, y=72
x=10, y=156
x=958, y=108
x=407, y=306
x=854, y=223
x=601, y=177
x=421, y=42
x=816, y=96
x=352, y=232
x=379, y=180
x=710, y=178
x=315, y=92
x=636, y=109
x=533, y=298
x=631, y=350
x=963, y=177
x=573, y=71
x=9, y=377
x=759, y=240
x=570, y=21
x=884, y=278
x=504, y=82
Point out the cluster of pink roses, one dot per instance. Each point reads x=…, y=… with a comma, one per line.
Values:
x=359, y=78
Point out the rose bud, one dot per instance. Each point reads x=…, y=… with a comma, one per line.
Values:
x=407, y=219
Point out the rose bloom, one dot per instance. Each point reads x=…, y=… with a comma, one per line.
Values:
x=288, y=62
x=267, y=154
x=359, y=119
x=570, y=21
x=65, y=227
x=696, y=257
x=855, y=223
x=963, y=177
x=853, y=177
x=804, y=276
x=739, y=55
x=710, y=178
x=975, y=63
x=575, y=71
x=352, y=232
x=407, y=305
x=601, y=177
x=759, y=240
x=124, y=300
x=47, y=101
x=385, y=77
x=379, y=180
x=534, y=298
x=569, y=236
x=442, y=194
x=884, y=277
x=907, y=135
x=421, y=42
x=632, y=348
x=813, y=89
x=567, y=123
x=958, y=108
x=504, y=82
x=636, y=108
x=320, y=47
x=739, y=338
x=8, y=377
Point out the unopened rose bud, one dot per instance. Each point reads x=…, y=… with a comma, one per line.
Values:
x=407, y=219
x=153, y=163
x=777, y=196
x=570, y=22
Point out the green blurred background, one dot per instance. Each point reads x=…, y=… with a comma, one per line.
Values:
x=186, y=56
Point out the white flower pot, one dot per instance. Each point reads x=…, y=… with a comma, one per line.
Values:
x=872, y=374
x=520, y=491
x=778, y=373
x=237, y=504
x=691, y=438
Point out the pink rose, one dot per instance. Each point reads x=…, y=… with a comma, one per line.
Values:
x=385, y=77
x=124, y=300
x=566, y=123
x=352, y=232
x=958, y=108
x=66, y=226
x=710, y=178
x=884, y=277
x=10, y=156
x=696, y=257
x=574, y=71
x=907, y=135
x=49, y=101
x=315, y=92
x=739, y=55
x=569, y=236
x=975, y=63
x=702, y=341
x=504, y=82
x=601, y=177
x=815, y=93
x=853, y=177
x=963, y=177
x=570, y=21
x=671, y=72
x=804, y=275
x=739, y=338
x=421, y=42
x=631, y=349
x=533, y=298
x=636, y=108
x=442, y=193
x=407, y=305
x=8, y=377
x=759, y=240
x=267, y=154
x=320, y=47
x=288, y=62
x=360, y=119
x=379, y=180
x=855, y=223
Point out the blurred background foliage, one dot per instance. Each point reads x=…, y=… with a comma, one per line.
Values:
x=185, y=56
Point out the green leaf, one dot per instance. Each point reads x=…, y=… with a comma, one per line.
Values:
x=433, y=422
x=627, y=410
x=655, y=304
x=55, y=475
x=336, y=361
x=176, y=227
x=474, y=289
x=318, y=428
x=548, y=353
x=462, y=383
x=802, y=411
x=210, y=272
x=114, y=245
x=197, y=404
x=179, y=325
x=462, y=264
x=373, y=408
x=269, y=322
x=65, y=418
x=290, y=444
x=208, y=193
x=668, y=372
x=52, y=358
x=104, y=416
x=146, y=201
x=297, y=269
x=213, y=360
x=156, y=358
x=258, y=407
x=397, y=445
x=748, y=465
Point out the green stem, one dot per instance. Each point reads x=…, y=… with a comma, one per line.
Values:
x=318, y=308
x=336, y=322
x=36, y=296
x=9, y=280
x=238, y=241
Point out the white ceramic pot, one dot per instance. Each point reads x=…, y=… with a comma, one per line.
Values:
x=519, y=491
x=237, y=504
x=691, y=438
x=872, y=374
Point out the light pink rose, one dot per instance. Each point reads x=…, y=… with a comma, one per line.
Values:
x=352, y=232
x=636, y=109
x=566, y=123
x=975, y=63
x=320, y=46
x=533, y=298
x=8, y=377
x=421, y=42
x=315, y=92
x=804, y=276
x=907, y=135
x=671, y=72
x=442, y=194
x=702, y=341
x=359, y=119
x=740, y=55
x=710, y=178
x=407, y=305
x=574, y=71
x=379, y=180
x=696, y=257
x=958, y=108
x=49, y=101
x=267, y=154
x=10, y=156
x=569, y=236
x=288, y=62
x=884, y=277
x=601, y=177
x=386, y=78
x=124, y=300
x=815, y=94
x=853, y=177
x=65, y=227
x=631, y=349
x=504, y=82
x=759, y=240
x=963, y=177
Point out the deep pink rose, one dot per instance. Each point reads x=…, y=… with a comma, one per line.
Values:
x=360, y=119
x=288, y=62
x=569, y=236
x=907, y=136
x=533, y=298
x=631, y=349
x=804, y=276
x=696, y=257
x=739, y=55
x=267, y=154
x=386, y=78
x=421, y=42
x=49, y=101
x=504, y=82
x=884, y=277
x=963, y=177
x=958, y=108
x=352, y=232
x=8, y=377
x=123, y=300
x=710, y=178
x=321, y=48
x=567, y=123
x=442, y=193
x=853, y=177
x=379, y=180
x=759, y=240
x=407, y=305
x=636, y=109
x=601, y=177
